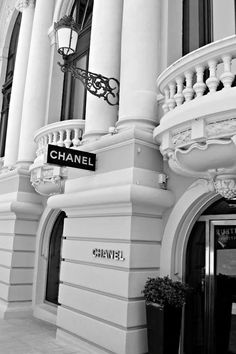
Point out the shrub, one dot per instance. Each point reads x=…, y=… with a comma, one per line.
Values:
x=165, y=291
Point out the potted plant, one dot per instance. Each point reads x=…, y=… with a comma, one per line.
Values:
x=164, y=302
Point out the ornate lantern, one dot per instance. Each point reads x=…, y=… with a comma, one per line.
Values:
x=67, y=32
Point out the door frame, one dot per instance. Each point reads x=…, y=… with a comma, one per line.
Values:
x=210, y=259
x=41, y=309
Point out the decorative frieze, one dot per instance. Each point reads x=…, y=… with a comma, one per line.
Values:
x=181, y=137
x=22, y=4
x=226, y=126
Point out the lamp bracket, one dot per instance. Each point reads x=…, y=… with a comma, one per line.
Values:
x=97, y=84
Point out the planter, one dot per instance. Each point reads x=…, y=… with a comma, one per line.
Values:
x=163, y=328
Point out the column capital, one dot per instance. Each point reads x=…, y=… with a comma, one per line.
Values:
x=20, y=5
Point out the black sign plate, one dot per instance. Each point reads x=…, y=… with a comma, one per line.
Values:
x=62, y=156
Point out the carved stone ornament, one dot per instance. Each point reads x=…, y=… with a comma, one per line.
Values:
x=182, y=137
x=48, y=180
x=226, y=126
x=23, y=4
x=225, y=185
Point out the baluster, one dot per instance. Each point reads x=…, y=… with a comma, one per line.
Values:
x=60, y=141
x=165, y=105
x=212, y=81
x=227, y=77
x=81, y=133
x=54, y=140
x=199, y=87
x=45, y=141
x=41, y=144
x=171, y=100
x=67, y=141
x=38, y=151
x=179, y=97
x=76, y=141
x=188, y=91
x=49, y=138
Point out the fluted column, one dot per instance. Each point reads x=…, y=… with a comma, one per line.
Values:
x=104, y=59
x=18, y=85
x=140, y=58
x=36, y=86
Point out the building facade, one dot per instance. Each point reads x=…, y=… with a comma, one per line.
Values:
x=77, y=245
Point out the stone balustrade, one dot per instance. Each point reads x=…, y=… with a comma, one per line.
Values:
x=203, y=71
x=67, y=133
x=197, y=132
x=49, y=179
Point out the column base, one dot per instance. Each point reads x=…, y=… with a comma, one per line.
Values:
x=93, y=135
x=136, y=122
x=15, y=310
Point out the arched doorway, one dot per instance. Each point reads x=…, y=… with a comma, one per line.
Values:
x=210, y=268
x=54, y=258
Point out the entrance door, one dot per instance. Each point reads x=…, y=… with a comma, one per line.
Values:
x=210, y=313
x=54, y=258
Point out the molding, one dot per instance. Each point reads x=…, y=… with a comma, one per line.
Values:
x=179, y=225
x=135, y=198
x=22, y=208
x=108, y=141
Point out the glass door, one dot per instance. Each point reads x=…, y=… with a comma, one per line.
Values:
x=210, y=311
x=223, y=259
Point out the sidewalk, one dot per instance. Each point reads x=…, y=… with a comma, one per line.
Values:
x=31, y=336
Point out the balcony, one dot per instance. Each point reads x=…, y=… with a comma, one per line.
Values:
x=197, y=132
x=49, y=179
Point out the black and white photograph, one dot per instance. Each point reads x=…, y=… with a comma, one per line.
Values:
x=117, y=176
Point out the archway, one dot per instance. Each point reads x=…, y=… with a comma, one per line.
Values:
x=54, y=260
x=49, y=235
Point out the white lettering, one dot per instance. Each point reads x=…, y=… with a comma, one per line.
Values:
x=89, y=162
x=84, y=160
x=53, y=156
x=77, y=159
x=69, y=157
x=61, y=155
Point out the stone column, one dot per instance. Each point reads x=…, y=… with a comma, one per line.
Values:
x=104, y=59
x=36, y=86
x=17, y=93
x=140, y=57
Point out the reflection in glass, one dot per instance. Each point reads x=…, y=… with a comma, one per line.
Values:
x=225, y=282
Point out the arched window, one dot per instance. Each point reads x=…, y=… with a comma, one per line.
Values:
x=197, y=24
x=74, y=93
x=6, y=88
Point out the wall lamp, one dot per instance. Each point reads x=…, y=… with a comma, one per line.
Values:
x=67, y=32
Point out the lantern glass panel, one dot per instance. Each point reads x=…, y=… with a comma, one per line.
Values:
x=67, y=40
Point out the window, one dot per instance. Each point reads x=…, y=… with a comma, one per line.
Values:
x=74, y=93
x=6, y=88
x=197, y=24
